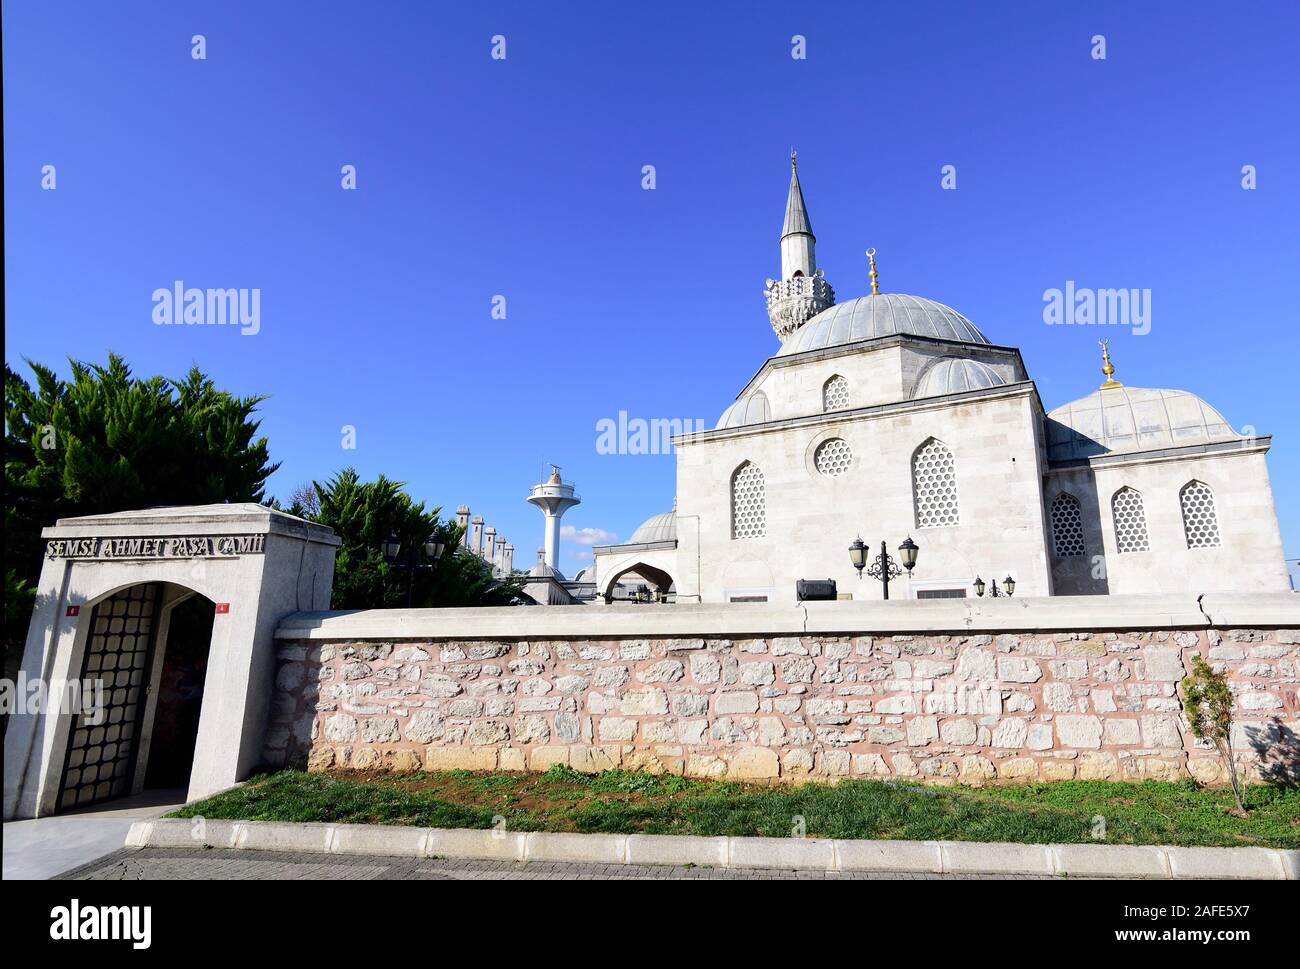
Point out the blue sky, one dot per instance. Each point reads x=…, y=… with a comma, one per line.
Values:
x=522, y=177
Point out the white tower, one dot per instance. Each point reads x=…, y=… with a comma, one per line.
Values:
x=554, y=498
x=802, y=291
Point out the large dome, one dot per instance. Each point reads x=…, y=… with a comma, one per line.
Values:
x=1132, y=419
x=659, y=528
x=882, y=315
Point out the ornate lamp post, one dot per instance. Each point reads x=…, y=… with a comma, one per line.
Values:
x=410, y=563
x=1009, y=584
x=884, y=567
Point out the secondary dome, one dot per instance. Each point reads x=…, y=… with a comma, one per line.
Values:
x=882, y=315
x=541, y=570
x=1132, y=419
x=952, y=375
x=658, y=528
x=753, y=409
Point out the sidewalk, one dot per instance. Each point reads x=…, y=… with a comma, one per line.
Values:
x=45, y=847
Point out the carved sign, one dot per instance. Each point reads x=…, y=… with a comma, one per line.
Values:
x=161, y=547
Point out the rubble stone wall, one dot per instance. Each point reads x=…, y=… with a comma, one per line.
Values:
x=967, y=708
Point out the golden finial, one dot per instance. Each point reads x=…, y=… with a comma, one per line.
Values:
x=875, y=288
x=1107, y=367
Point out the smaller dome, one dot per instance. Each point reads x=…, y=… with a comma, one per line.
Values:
x=586, y=574
x=541, y=570
x=659, y=528
x=1132, y=419
x=753, y=409
x=951, y=375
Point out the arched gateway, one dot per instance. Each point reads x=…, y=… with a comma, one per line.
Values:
x=136, y=690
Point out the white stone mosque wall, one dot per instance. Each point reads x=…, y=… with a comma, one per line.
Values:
x=1223, y=535
x=813, y=516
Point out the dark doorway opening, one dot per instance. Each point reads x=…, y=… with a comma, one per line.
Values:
x=180, y=694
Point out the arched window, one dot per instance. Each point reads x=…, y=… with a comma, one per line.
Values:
x=748, y=502
x=1200, y=520
x=1130, y=520
x=835, y=394
x=934, y=485
x=1067, y=526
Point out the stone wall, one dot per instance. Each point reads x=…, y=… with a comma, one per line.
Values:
x=970, y=707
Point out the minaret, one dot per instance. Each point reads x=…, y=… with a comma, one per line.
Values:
x=554, y=498
x=802, y=291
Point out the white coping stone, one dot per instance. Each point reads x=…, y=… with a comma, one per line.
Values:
x=601, y=849
x=1099, y=860
x=1290, y=864
x=969, y=857
x=271, y=836
x=1225, y=863
x=482, y=843
x=183, y=833
x=371, y=839
x=139, y=835
x=676, y=849
x=965, y=857
x=809, y=853
x=924, y=856
x=1046, y=613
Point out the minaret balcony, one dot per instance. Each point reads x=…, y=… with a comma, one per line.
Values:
x=793, y=302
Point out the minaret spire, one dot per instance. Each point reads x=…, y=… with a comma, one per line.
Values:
x=798, y=256
x=802, y=291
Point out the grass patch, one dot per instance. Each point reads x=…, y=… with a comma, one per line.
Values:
x=625, y=802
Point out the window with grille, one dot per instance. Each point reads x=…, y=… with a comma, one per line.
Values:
x=748, y=503
x=1130, y=521
x=941, y=594
x=1067, y=526
x=833, y=457
x=835, y=394
x=102, y=742
x=1200, y=520
x=934, y=485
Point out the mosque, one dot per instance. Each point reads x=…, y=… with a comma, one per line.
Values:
x=890, y=417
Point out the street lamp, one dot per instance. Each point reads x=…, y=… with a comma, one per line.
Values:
x=884, y=567
x=432, y=548
x=1009, y=584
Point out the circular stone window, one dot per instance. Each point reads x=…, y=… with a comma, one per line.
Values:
x=833, y=457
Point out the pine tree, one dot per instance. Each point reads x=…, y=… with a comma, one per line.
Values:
x=105, y=441
x=363, y=514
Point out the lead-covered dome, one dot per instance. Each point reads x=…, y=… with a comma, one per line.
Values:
x=753, y=409
x=658, y=528
x=1132, y=419
x=951, y=375
x=883, y=315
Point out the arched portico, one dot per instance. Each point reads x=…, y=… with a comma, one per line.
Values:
x=254, y=564
x=657, y=578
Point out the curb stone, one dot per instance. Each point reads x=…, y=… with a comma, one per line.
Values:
x=812, y=854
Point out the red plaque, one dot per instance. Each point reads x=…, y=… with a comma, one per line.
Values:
x=74, y=610
x=223, y=608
